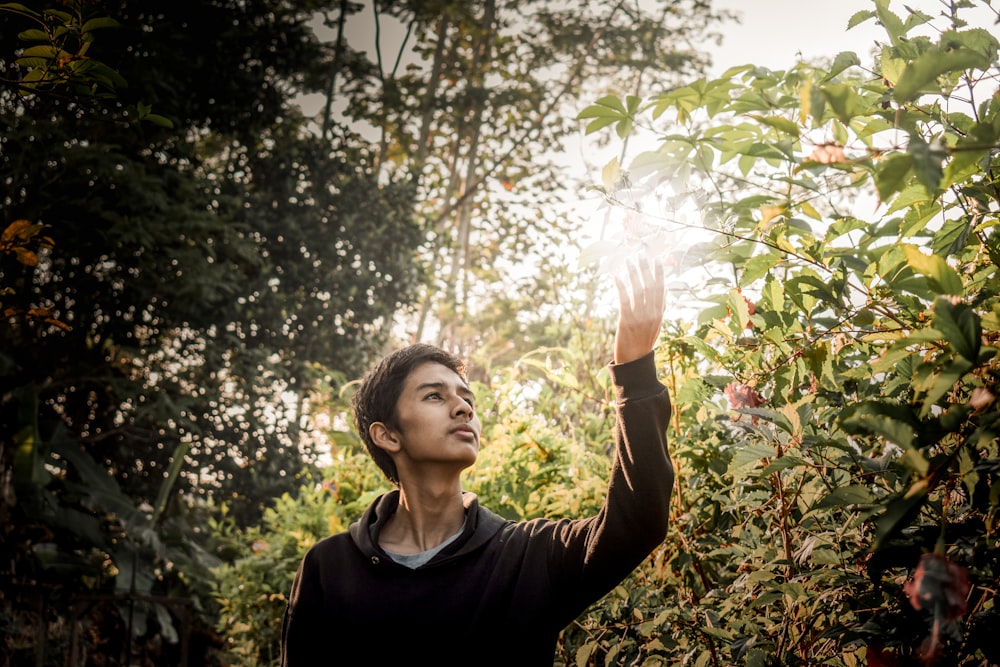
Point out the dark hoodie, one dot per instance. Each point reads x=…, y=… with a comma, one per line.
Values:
x=500, y=593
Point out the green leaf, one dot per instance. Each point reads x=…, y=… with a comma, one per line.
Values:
x=893, y=25
x=942, y=278
x=44, y=51
x=852, y=494
x=608, y=106
x=934, y=381
x=843, y=61
x=157, y=119
x=860, y=17
x=695, y=392
x=65, y=17
x=100, y=23
x=718, y=633
x=758, y=266
x=18, y=8
x=891, y=174
x=33, y=35
x=845, y=101
x=928, y=161
x=919, y=75
x=895, y=423
x=167, y=485
x=961, y=328
x=599, y=123
x=779, y=123
x=749, y=455
x=783, y=463
x=899, y=512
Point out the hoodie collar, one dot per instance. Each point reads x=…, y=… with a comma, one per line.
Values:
x=481, y=525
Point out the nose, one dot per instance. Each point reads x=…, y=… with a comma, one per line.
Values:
x=462, y=407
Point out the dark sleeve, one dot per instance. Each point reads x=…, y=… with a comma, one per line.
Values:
x=642, y=475
x=302, y=638
x=601, y=551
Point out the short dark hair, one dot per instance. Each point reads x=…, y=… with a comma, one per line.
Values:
x=379, y=391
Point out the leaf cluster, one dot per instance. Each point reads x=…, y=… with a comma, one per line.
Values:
x=870, y=339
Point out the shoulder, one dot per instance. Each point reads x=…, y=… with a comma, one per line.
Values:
x=330, y=545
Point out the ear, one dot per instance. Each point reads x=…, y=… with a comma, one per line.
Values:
x=384, y=437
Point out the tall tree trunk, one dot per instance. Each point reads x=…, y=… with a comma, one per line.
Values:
x=427, y=103
x=338, y=53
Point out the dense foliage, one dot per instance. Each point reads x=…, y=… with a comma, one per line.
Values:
x=837, y=423
x=190, y=271
x=190, y=266
x=182, y=263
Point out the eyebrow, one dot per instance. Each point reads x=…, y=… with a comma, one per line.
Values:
x=462, y=387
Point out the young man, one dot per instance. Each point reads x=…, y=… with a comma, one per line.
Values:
x=428, y=576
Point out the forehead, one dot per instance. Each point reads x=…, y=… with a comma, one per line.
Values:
x=432, y=373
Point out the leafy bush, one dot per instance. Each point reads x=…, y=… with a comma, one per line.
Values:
x=836, y=427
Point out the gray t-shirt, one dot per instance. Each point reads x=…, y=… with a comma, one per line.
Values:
x=413, y=561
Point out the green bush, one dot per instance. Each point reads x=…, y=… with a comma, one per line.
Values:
x=836, y=428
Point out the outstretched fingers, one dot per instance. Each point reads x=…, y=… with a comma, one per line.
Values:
x=642, y=299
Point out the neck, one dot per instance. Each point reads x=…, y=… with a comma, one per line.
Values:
x=425, y=518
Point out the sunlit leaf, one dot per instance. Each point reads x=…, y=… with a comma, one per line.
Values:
x=779, y=123
x=920, y=76
x=844, y=100
x=891, y=174
x=942, y=278
x=928, y=162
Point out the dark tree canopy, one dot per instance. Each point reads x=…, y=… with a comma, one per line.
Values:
x=182, y=263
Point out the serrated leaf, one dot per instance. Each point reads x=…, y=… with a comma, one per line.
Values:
x=843, y=61
x=860, y=17
x=893, y=24
x=845, y=101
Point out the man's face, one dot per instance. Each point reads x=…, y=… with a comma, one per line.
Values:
x=437, y=420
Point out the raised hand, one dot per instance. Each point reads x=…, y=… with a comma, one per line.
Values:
x=640, y=315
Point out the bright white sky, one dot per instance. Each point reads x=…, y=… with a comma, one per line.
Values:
x=773, y=33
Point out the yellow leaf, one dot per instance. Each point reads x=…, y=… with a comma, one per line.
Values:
x=805, y=102
x=769, y=213
x=26, y=257
x=17, y=229
x=611, y=174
